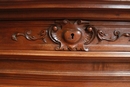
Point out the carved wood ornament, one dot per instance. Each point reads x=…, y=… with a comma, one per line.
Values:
x=72, y=35
x=28, y=36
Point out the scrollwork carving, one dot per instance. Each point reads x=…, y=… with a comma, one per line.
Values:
x=116, y=35
x=102, y=36
x=28, y=36
x=72, y=36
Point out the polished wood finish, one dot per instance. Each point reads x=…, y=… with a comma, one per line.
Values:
x=109, y=41
x=28, y=57
x=48, y=9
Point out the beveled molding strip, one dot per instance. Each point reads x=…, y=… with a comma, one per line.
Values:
x=72, y=36
x=66, y=75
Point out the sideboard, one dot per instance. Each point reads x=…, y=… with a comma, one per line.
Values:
x=64, y=43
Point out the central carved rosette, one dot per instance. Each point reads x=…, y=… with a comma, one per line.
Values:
x=71, y=36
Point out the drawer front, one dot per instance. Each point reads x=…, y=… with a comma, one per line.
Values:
x=54, y=43
x=40, y=35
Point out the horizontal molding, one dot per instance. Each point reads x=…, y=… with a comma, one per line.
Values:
x=5, y=85
x=64, y=53
x=67, y=4
x=32, y=10
x=66, y=75
x=42, y=14
x=72, y=56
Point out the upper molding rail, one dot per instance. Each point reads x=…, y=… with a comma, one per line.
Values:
x=27, y=4
x=48, y=9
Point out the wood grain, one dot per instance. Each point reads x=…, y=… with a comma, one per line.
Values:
x=44, y=10
x=25, y=63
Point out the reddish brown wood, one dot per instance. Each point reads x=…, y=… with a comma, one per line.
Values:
x=41, y=10
x=33, y=62
x=72, y=36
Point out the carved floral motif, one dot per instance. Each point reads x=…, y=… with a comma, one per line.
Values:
x=28, y=36
x=116, y=35
x=72, y=35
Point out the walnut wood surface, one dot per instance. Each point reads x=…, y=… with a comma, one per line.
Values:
x=39, y=68
x=28, y=63
x=108, y=27
x=44, y=10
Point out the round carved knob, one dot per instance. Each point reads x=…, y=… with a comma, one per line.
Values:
x=55, y=28
x=72, y=36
